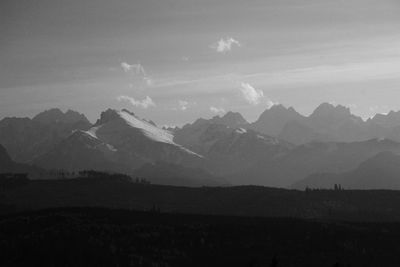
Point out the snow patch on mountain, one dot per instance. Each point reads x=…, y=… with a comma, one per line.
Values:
x=241, y=131
x=148, y=129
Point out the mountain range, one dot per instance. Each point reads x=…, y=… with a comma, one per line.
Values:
x=327, y=123
x=281, y=148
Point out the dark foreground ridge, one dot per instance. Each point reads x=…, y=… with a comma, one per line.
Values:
x=106, y=237
x=18, y=195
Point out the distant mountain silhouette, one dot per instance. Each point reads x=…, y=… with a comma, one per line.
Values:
x=327, y=123
x=25, y=138
x=57, y=116
x=230, y=119
x=382, y=171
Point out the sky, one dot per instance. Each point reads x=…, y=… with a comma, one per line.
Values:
x=173, y=61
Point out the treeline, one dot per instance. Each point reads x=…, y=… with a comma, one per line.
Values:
x=64, y=174
x=12, y=180
x=336, y=187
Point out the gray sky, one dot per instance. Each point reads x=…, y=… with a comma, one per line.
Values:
x=175, y=60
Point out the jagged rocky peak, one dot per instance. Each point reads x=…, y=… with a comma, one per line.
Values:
x=278, y=107
x=108, y=115
x=49, y=116
x=329, y=109
x=112, y=114
x=391, y=119
x=233, y=119
x=272, y=120
x=278, y=110
x=230, y=119
x=72, y=116
x=55, y=115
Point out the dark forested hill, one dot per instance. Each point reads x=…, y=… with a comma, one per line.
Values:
x=241, y=200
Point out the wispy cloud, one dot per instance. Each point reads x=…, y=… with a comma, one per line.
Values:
x=170, y=82
x=252, y=95
x=139, y=71
x=145, y=103
x=138, y=68
x=339, y=73
x=184, y=105
x=225, y=45
x=217, y=110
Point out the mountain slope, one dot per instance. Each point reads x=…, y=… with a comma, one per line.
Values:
x=226, y=149
x=298, y=163
x=81, y=151
x=7, y=165
x=382, y=171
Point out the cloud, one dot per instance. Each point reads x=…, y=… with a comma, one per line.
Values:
x=183, y=105
x=148, y=81
x=145, y=103
x=225, y=45
x=252, y=95
x=217, y=110
x=137, y=69
x=270, y=103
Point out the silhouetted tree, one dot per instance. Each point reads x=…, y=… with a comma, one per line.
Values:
x=274, y=261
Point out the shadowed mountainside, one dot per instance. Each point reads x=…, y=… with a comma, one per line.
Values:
x=26, y=139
